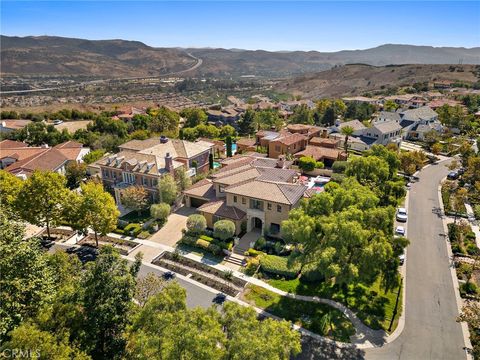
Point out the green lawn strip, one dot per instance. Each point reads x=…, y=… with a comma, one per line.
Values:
x=134, y=217
x=309, y=315
x=200, y=252
x=371, y=304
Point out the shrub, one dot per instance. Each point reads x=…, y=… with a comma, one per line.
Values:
x=211, y=247
x=339, y=167
x=469, y=288
x=306, y=163
x=206, y=238
x=143, y=235
x=133, y=229
x=260, y=243
x=224, y=229
x=319, y=165
x=338, y=178
x=253, y=252
x=196, y=223
x=278, y=265
x=252, y=266
x=188, y=240
x=202, y=243
x=160, y=211
x=472, y=249
x=476, y=211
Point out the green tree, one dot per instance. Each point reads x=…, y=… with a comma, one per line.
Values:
x=224, y=229
x=436, y=148
x=302, y=115
x=147, y=287
x=167, y=189
x=190, y=134
x=228, y=144
x=93, y=156
x=246, y=124
x=196, y=223
x=411, y=161
x=97, y=210
x=27, y=282
x=347, y=131
x=135, y=198
x=10, y=187
x=42, y=199
x=160, y=211
x=194, y=117
x=184, y=181
x=31, y=340
x=369, y=170
x=307, y=163
x=164, y=121
x=109, y=286
x=75, y=173
x=227, y=130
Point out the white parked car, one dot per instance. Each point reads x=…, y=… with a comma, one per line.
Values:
x=57, y=122
x=402, y=214
x=400, y=230
x=402, y=258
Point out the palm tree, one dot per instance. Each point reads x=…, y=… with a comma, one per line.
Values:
x=347, y=131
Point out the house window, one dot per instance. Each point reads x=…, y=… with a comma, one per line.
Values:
x=234, y=198
x=221, y=188
x=105, y=173
x=244, y=201
x=256, y=204
x=279, y=208
x=277, y=147
x=154, y=182
x=269, y=206
x=145, y=181
x=274, y=228
x=128, y=178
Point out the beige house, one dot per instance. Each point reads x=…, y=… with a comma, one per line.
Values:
x=254, y=193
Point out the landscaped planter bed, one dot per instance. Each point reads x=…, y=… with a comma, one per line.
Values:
x=124, y=246
x=201, y=267
x=57, y=234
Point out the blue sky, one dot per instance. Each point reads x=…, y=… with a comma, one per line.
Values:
x=284, y=25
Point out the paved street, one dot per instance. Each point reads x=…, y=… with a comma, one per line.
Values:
x=196, y=295
x=430, y=329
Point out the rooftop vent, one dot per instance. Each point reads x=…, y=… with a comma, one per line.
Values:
x=163, y=139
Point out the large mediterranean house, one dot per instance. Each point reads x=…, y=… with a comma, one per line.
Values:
x=255, y=193
x=144, y=162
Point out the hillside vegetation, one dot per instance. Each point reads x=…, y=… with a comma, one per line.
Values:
x=357, y=79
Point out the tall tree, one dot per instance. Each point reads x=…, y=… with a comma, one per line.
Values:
x=194, y=117
x=75, y=173
x=42, y=199
x=97, y=210
x=246, y=123
x=10, y=187
x=347, y=131
x=26, y=281
x=167, y=189
x=135, y=198
x=228, y=144
x=109, y=286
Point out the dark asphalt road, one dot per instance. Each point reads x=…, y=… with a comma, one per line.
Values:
x=196, y=295
x=431, y=331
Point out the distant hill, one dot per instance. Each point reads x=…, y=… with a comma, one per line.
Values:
x=278, y=64
x=47, y=55
x=50, y=55
x=356, y=79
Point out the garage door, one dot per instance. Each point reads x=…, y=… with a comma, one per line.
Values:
x=194, y=202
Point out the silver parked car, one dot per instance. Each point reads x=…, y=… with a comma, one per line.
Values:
x=402, y=214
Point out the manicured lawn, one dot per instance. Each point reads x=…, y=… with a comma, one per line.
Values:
x=371, y=304
x=200, y=252
x=311, y=316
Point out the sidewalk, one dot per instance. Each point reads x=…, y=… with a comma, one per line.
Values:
x=473, y=224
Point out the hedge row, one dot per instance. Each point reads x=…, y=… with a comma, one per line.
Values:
x=278, y=265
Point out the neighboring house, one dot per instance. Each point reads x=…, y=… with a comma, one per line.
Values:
x=263, y=137
x=325, y=142
x=354, y=143
x=326, y=155
x=361, y=99
x=383, y=133
x=7, y=126
x=408, y=100
x=386, y=116
x=416, y=122
x=22, y=160
x=309, y=131
x=246, y=144
x=287, y=144
x=144, y=162
x=224, y=116
x=357, y=125
x=255, y=192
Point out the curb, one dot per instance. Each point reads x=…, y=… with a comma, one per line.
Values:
x=453, y=272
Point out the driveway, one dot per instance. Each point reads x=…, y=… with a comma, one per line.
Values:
x=171, y=232
x=431, y=331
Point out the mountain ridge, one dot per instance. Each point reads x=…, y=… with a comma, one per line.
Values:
x=55, y=55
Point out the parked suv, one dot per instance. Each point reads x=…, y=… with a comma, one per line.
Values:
x=452, y=175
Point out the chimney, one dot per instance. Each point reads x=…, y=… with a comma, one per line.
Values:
x=169, y=163
x=324, y=133
x=4, y=124
x=281, y=161
x=163, y=139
